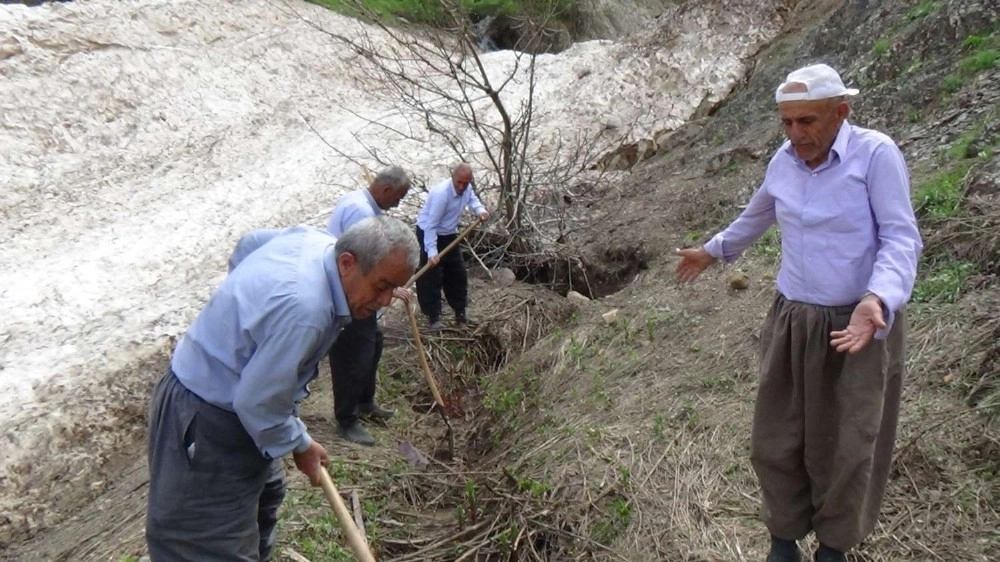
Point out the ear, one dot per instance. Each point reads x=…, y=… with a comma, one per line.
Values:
x=843, y=110
x=346, y=262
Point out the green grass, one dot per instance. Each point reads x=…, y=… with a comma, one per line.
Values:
x=952, y=83
x=944, y=282
x=769, y=244
x=939, y=196
x=614, y=522
x=881, y=47
x=922, y=10
x=979, y=61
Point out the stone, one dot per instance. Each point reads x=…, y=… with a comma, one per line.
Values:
x=577, y=297
x=739, y=281
x=610, y=316
x=504, y=277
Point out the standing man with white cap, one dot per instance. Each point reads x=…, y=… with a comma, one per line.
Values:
x=832, y=346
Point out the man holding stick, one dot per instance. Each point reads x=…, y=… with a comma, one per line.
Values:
x=437, y=226
x=355, y=355
x=226, y=411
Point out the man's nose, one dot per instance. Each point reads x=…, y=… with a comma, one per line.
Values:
x=385, y=298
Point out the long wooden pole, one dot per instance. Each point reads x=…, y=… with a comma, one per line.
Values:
x=429, y=377
x=446, y=249
x=357, y=542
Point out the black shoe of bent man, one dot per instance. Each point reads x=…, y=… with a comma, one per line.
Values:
x=463, y=318
x=783, y=550
x=827, y=554
x=356, y=434
x=377, y=412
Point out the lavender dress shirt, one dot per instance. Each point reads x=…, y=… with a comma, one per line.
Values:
x=847, y=227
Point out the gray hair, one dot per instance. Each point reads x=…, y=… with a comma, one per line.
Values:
x=373, y=239
x=393, y=177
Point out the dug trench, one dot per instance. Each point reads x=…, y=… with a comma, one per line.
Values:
x=411, y=486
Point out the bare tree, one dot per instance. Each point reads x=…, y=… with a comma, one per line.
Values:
x=437, y=80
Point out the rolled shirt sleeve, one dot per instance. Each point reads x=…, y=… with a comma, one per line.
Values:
x=264, y=397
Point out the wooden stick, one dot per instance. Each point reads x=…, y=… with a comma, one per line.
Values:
x=429, y=377
x=358, y=517
x=446, y=249
x=424, y=365
x=295, y=556
x=354, y=538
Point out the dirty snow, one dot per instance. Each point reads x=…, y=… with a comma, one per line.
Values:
x=141, y=137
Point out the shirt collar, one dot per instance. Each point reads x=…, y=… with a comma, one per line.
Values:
x=838, y=149
x=840, y=143
x=371, y=201
x=340, y=306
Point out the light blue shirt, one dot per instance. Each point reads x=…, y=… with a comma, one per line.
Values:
x=351, y=208
x=259, y=340
x=442, y=211
x=847, y=227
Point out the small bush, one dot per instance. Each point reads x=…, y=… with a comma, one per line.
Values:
x=769, y=243
x=952, y=83
x=881, y=47
x=980, y=61
x=939, y=196
x=922, y=10
x=943, y=284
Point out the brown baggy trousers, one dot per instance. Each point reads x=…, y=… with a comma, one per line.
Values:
x=824, y=424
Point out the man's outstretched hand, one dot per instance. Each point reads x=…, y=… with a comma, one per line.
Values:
x=866, y=319
x=693, y=262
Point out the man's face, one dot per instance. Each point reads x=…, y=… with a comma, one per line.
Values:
x=389, y=198
x=812, y=127
x=366, y=293
x=461, y=180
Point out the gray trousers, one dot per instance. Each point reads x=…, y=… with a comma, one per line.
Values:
x=824, y=424
x=212, y=495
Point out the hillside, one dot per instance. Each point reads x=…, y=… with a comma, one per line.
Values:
x=581, y=438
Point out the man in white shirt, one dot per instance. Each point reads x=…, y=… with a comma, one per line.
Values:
x=437, y=226
x=355, y=355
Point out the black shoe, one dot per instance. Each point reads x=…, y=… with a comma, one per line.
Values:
x=827, y=554
x=377, y=412
x=435, y=324
x=783, y=550
x=356, y=434
x=463, y=318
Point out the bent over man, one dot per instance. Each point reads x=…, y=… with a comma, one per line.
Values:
x=355, y=355
x=832, y=346
x=226, y=411
x=437, y=226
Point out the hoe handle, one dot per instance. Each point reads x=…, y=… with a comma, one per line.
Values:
x=354, y=538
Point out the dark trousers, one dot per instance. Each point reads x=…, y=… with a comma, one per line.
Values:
x=354, y=361
x=824, y=424
x=212, y=494
x=449, y=275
